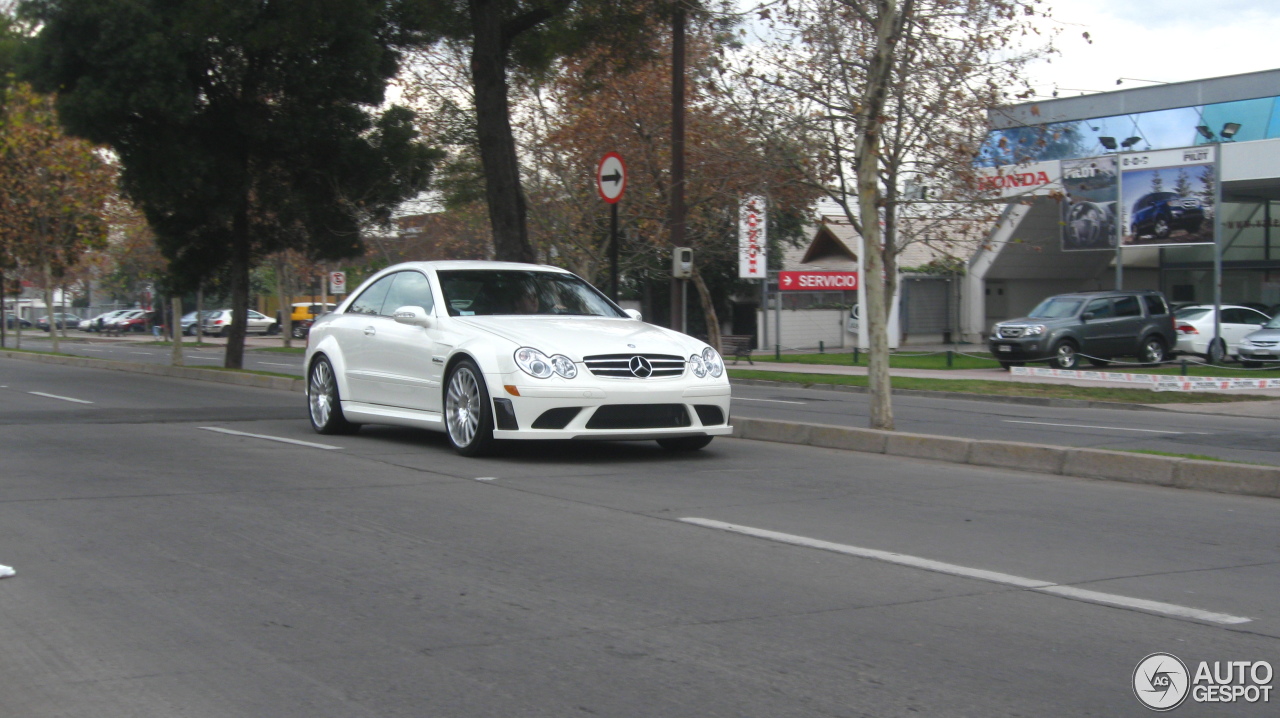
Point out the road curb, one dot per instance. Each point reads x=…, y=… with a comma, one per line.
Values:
x=1218, y=476
x=258, y=381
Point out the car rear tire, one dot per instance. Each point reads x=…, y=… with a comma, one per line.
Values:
x=1065, y=356
x=685, y=443
x=468, y=414
x=1217, y=352
x=1153, y=351
x=273, y=330
x=324, y=404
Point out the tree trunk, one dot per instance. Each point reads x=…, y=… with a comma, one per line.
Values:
x=4, y=313
x=234, y=358
x=175, y=328
x=708, y=310
x=48, y=304
x=284, y=296
x=497, y=142
x=876, y=314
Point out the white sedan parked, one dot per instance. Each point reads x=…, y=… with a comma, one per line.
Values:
x=498, y=350
x=1194, y=325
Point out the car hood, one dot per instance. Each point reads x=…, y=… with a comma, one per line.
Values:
x=577, y=337
x=1023, y=321
x=1266, y=335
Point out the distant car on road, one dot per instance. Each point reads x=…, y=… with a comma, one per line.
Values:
x=304, y=315
x=1195, y=330
x=218, y=323
x=1159, y=213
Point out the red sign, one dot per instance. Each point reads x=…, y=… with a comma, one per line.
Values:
x=611, y=177
x=817, y=281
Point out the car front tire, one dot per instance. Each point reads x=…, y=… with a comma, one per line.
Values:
x=1161, y=228
x=324, y=404
x=1065, y=356
x=468, y=415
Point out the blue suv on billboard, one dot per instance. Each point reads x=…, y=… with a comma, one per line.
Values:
x=1159, y=213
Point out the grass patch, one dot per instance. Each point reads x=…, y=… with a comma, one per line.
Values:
x=1007, y=388
x=1197, y=457
x=247, y=371
x=983, y=360
x=281, y=350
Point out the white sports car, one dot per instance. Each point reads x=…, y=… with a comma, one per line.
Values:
x=498, y=350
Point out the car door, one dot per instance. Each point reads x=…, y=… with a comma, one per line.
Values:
x=1127, y=325
x=408, y=359
x=1239, y=322
x=354, y=331
x=1098, y=331
x=258, y=323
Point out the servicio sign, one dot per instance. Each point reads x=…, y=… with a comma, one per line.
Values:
x=817, y=281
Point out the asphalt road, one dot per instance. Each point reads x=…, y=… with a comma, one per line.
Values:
x=1252, y=440
x=166, y=567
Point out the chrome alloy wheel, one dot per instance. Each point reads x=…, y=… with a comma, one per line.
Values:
x=462, y=407
x=320, y=394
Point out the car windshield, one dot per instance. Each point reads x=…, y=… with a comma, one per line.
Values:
x=1274, y=323
x=479, y=292
x=1056, y=308
x=1192, y=313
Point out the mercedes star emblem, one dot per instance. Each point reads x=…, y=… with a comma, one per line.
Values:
x=640, y=367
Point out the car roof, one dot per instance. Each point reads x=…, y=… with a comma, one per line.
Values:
x=1106, y=293
x=456, y=264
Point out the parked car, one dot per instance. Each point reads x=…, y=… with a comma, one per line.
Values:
x=61, y=320
x=92, y=324
x=1195, y=330
x=1262, y=345
x=1100, y=326
x=304, y=315
x=124, y=320
x=13, y=321
x=190, y=321
x=218, y=323
x=1159, y=213
x=137, y=322
x=500, y=350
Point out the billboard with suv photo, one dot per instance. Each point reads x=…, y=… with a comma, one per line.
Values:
x=1166, y=197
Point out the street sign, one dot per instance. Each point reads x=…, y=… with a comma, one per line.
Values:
x=337, y=282
x=752, y=260
x=611, y=177
x=817, y=281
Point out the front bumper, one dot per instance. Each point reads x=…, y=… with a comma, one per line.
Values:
x=1037, y=348
x=1250, y=353
x=618, y=409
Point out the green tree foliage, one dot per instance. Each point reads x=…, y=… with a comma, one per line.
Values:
x=520, y=38
x=243, y=127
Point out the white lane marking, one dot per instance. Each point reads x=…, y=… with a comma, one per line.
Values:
x=94, y=350
x=773, y=401
x=977, y=573
x=269, y=363
x=62, y=398
x=1109, y=428
x=143, y=353
x=281, y=439
x=486, y=478
x=6, y=571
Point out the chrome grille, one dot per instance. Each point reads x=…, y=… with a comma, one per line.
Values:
x=1011, y=332
x=1258, y=343
x=619, y=366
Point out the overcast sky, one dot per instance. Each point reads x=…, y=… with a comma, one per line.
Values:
x=1163, y=40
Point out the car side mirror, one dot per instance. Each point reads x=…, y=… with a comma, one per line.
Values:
x=1087, y=316
x=413, y=316
x=634, y=314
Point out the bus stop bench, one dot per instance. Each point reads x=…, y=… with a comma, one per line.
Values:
x=737, y=345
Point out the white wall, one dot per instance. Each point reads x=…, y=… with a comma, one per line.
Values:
x=804, y=328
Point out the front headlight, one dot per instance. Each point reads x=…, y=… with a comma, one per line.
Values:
x=540, y=366
x=698, y=366
x=1035, y=330
x=715, y=365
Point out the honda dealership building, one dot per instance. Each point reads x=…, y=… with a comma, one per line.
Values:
x=1144, y=188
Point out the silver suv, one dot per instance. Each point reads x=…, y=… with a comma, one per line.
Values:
x=1098, y=326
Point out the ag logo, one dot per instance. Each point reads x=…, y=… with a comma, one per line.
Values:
x=1161, y=681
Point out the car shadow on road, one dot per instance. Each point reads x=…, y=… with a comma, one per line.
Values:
x=542, y=452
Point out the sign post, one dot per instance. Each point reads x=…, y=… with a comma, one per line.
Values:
x=611, y=182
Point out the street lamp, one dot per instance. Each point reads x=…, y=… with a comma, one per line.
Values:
x=1227, y=132
x=1130, y=142
x=1108, y=142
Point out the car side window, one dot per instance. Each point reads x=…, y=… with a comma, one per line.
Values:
x=1258, y=318
x=1156, y=305
x=411, y=289
x=1101, y=308
x=1233, y=316
x=1128, y=307
x=370, y=300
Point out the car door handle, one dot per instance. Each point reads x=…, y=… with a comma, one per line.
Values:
x=370, y=331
